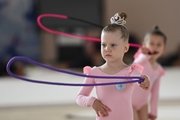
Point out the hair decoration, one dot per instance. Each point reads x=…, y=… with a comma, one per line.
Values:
x=118, y=19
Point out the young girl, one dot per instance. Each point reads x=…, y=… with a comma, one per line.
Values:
x=113, y=102
x=154, y=42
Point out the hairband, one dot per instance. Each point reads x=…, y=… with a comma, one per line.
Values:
x=134, y=78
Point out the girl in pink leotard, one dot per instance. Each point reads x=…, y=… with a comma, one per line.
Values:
x=154, y=41
x=113, y=102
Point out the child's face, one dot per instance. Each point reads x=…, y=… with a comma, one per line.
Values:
x=155, y=43
x=113, y=46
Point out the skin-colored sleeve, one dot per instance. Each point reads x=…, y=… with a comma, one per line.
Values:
x=154, y=97
x=83, y=98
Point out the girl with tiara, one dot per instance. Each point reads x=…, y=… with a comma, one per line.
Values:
x=113, y=102
x=153, y=48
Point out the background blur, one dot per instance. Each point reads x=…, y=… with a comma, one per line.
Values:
x=21, y=36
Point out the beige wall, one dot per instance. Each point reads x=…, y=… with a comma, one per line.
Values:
x=144, y=14
x=48, y=48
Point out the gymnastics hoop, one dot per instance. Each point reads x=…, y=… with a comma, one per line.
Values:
x=136, y=79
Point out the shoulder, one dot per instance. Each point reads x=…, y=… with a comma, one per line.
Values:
x=90, y=70
x=161, y=70
x=135, y=68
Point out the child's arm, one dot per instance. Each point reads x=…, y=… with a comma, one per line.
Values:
x=154, y=99
x=137, y=70
x=155, y=96
x=83, y=98
x=141, y=57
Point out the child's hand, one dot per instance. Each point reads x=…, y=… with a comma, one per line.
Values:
x=100, y=108
x=146, y=83
x=144, y=50
x=151, y=117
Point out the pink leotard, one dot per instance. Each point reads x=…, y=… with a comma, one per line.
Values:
x=117, y=97
x=140, y=96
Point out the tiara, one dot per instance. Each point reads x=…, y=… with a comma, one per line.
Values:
x=116, y=19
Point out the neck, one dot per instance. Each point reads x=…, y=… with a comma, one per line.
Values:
x=153, y=62
x=115, y=65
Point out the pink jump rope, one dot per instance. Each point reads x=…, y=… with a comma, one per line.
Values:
x=73, y=35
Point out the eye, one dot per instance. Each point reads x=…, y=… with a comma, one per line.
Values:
x=103, y=45
x=158, y=44
x=151, y=43
x=113, y=45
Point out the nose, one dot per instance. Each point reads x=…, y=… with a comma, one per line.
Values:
x=154, y=48
x=107, y=48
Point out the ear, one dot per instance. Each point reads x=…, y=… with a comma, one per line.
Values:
x=126, y=48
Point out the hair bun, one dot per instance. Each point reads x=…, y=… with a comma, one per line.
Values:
x=119, y=19
x=156, y=27
x=123, y=15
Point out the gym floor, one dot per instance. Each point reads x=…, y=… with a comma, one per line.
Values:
x=20, y=100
